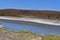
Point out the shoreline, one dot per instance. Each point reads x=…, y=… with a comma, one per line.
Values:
x=25, y=35
x=36, y=20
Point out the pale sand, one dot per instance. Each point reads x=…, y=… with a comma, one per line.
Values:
x=36, y=20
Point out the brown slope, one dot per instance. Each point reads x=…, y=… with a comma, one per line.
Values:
x=34, y=13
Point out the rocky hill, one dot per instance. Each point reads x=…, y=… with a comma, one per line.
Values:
x=44, y=14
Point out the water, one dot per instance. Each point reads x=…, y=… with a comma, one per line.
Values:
x=32, y=27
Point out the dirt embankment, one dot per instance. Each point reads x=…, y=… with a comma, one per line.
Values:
x=44, y=14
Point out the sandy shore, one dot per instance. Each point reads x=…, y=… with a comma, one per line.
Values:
x=43, y=21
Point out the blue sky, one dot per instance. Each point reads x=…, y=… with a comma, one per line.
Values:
x=31, y=4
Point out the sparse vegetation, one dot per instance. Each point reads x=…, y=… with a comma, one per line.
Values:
x=25, y=35
x=34, y=13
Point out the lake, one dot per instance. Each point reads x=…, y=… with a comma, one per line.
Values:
x=30, y=26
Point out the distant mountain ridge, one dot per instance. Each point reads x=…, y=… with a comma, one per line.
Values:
x=44, y=14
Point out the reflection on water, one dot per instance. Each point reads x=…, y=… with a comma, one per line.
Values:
x=33, y=27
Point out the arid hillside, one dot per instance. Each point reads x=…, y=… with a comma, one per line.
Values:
x=44, y=14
